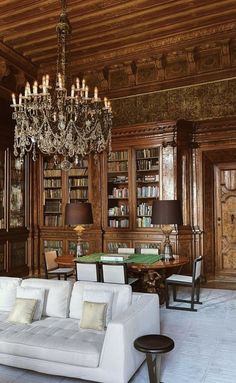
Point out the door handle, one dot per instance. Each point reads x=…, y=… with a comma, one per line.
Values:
x=232, y=218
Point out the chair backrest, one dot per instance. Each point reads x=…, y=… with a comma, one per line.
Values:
x=87, y=271
x=150, y=251
x=197, y=265
x=126, y=250
x=50, y=262
x=114, y=273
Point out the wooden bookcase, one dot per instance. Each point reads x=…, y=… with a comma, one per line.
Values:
x=80, y=184
x=14, y=214
x=147, y=162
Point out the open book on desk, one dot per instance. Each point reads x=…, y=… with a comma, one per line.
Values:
x=114, y=257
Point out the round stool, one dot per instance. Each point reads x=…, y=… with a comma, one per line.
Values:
x=154, y=345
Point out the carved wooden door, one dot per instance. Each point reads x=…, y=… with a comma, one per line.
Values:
x=225, y=219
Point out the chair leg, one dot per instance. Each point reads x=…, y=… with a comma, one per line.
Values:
x=174, y=293
x=167, y=295
x=65, y=277
x=58, y=277
x=192, y=297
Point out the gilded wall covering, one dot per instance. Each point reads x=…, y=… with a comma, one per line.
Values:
x=211, y=100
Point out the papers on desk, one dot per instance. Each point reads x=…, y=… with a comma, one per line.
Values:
x=114, y=258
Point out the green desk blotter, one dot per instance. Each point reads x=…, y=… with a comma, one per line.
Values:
x=134, y=258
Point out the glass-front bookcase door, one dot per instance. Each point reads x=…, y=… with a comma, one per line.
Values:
x=17, y=193
x=118, y=190
x=52, y=193
x=78, y=182
x=147, y=183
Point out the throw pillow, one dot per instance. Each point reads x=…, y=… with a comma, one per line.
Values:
x=33, y=293
x=100, y=296
x=23, y=311
x=93, y=316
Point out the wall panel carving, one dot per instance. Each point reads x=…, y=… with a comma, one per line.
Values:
x=212, y=100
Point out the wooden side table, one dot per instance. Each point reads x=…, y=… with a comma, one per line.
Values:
x=154, y=346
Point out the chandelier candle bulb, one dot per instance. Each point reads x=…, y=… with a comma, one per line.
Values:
x=105, y=102
x=77, y=83
x=35, y=88
x=20, y=99
x=86, y=91
x=13, y=98
x=95, y=93
x=83, y=84
x=59, y=81
x=72, y=91
x=47, y=80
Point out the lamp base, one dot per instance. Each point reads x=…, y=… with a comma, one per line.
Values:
x=79, y=249
x=168, y=252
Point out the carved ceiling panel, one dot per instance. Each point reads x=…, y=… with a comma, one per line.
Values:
x=140, y=45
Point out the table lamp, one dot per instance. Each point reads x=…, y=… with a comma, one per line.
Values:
x=79, y=214
x=167, y=213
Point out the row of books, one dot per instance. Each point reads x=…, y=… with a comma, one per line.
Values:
x=52, y=182
x=144, y=209
x=148, y=191
x=52, y=245
x=53, y=193
x=79, y=194
x=118, y=223
x=118, y=210
x=118, y=166
x=144, y=222
x=53, y=220
x=144, y=153
x=113, y=246
x=121, y=155
x=53, y=206
x=119, y=193
x=148, y=178
x=118, y=179
x=78, y=172
x=147, y=164
x=52, y=173
x=78, y=182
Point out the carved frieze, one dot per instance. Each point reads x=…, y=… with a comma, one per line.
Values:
x=204, y=101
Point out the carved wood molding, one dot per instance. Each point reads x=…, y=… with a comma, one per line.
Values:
x=148, y=129
x=137, y=50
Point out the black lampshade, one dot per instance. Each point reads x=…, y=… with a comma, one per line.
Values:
x=78, y=214
x=166, y=212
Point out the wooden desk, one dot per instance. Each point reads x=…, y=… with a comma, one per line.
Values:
x=152, y=276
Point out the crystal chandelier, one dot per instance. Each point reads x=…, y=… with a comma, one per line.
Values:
x=68, y=125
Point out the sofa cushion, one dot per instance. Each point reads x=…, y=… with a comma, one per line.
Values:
x=93, y=316
x=57, y=295
x=8, y=287
x=51, y=339
x=122, y=295
x=97, y=296
x=33, y=293
x=23, y=310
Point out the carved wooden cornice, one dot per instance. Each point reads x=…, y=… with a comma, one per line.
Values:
x=165, y=44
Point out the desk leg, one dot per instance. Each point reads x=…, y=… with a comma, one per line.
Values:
x=154, y=367
x=155, y=283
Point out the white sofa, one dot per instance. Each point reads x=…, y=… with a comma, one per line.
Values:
x=56, y=345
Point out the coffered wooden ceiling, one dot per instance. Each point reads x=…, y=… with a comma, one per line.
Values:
x=109, y=31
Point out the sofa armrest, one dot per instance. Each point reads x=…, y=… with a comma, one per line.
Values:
x=119, y=357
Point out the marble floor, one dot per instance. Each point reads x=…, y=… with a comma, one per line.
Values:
x=205, y=346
